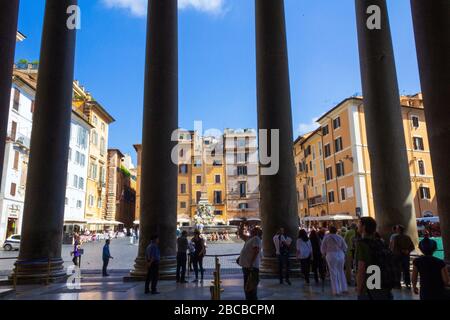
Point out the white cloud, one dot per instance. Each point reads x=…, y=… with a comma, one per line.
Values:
x=139, y=7
x=307, y=127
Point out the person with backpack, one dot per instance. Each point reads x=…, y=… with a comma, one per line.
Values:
x=373, y=252
x=402, y=246
x=433, y=273
x=282, y=244
x=304, y=253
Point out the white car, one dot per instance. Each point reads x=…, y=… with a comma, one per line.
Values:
x=12, y=243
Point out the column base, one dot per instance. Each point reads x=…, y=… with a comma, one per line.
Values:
x=269, y=268
x=167, y=269
x=38, y=271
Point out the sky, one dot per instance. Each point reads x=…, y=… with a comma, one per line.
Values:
x=217, y=65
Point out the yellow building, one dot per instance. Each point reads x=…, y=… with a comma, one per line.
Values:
x=333, y=166
x=201, y=176
x=100, y=119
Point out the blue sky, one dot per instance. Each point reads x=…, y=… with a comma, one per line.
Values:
x=217, y=59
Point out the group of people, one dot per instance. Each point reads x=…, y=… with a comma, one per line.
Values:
x=216, y=236
x=360, y=251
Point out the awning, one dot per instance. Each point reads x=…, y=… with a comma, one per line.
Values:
x=236, y=219
x=253, y=219
x=136, y=222
x=104, y=222
x=183, y=220
x=337, y=217
x=75, y=221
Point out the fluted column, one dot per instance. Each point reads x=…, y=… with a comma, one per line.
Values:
x=43, y=217
x=159, y=173
x=391, y=182
x=8, y=29
x=278, y=205
x=432, y=32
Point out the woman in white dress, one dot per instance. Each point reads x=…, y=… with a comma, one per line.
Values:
x=334, y=248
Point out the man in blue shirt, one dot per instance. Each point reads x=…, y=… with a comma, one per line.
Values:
x=152, y=256
x=106, y=256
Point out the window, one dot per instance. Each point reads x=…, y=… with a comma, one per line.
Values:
x=70, y=154
x=13, y=189
x=331, y=196
x=91, y=200
x=198, y=195
x=16, y=100
x=313, y=152
x=102, y=175
x=320, y=149
x=75, y=181
x=425, y=193
x=102, y=146
x=415, y=121
x=95, y=120
x=243, y=189
x=217, y=197
x=343, y=194
x=340, y=169
x=241, y=142
x=82, y=160
x=183, y=169
x=82, y=137
x=99, y=203
x=338, y=144
x=66, y=201
x=218, y=212
x=418, y=143
x=241, y=157
x=183, y=188
x=79, y=204
x=77, y=157
x=327, y=150
x=337, y=123
x=242, y=170
x=16, y=160
x=243, y=206
x=81, y=183
x=94, y=138
x=329, y=173
x=103, y=127
x=421, y=165
x=183, y=205
x=314, y=169
x=198, y=179
x=325, y=130
x=307, y=151
x=93, y=171
x=13, y=130
x=217, y=178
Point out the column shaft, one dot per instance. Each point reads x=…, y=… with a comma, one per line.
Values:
x=391, y=182
x=278, y=205
x=8, y=29
x=432, y=32
x=159, y=173
x=43, y=216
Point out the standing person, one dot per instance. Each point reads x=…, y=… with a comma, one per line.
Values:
x=350, y=255
x=373, y=252
x=318, y=263
x=282, y=245
x=433, y=273
x=106, y=256
x=334, y=249
x=199, y=253
x=304, y=253
x=249, y=260
x=182, y=247
x=191, y=248
x=153, y=257
x=76, y=250
x=402, y=246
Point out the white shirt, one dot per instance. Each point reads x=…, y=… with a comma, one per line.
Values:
x=247, y=253
x=276, y=242
x=304, y=249
x=333, y=243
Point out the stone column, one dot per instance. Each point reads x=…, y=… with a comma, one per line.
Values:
x=159, y=174
x=278, y=205
x=432, y=32
x=8, y=30
x=43, y=217
x=391, y=182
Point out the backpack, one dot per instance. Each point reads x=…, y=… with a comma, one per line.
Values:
x=383, y=257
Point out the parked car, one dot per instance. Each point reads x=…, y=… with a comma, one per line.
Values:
x=12, y=243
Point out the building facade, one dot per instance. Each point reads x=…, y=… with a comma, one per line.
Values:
x=333, y=165
x=242, y=174
x=100, y=119
x=121, y=197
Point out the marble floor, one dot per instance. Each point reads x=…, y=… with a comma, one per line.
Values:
x=95, y=287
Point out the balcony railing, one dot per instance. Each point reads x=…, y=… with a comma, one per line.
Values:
x=316, y=201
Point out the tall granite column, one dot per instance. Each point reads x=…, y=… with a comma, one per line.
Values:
x=432, y=32
x=391, y=182
x=159, y=173
x=278, y=205
x=43, y=215
x=8, y=29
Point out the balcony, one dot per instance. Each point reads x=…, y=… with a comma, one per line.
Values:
x=316, y=201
